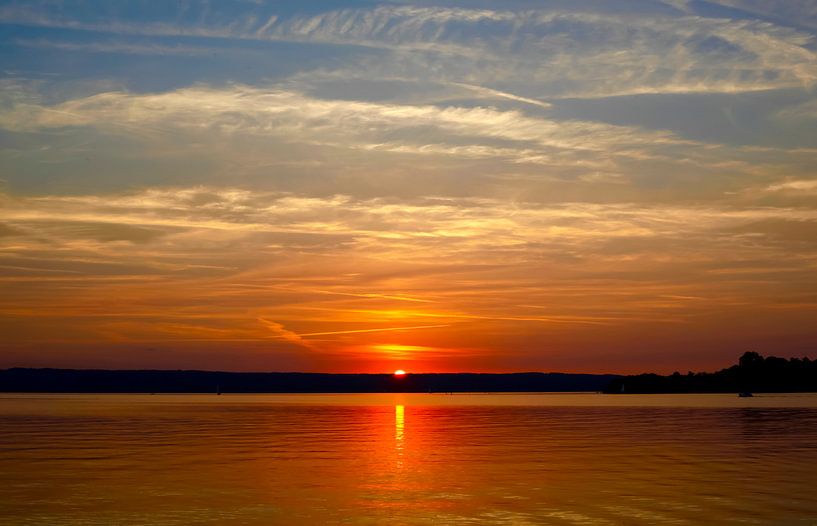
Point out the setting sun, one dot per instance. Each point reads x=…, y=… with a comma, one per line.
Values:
x=399, y=373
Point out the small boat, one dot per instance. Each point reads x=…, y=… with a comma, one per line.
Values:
x=745, y=394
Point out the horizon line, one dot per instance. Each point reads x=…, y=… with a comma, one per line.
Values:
x=407, y=373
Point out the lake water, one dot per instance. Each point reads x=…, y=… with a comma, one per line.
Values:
x=566, y=459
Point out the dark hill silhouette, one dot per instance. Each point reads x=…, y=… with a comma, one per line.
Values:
x=752, y=374
x=103, y=381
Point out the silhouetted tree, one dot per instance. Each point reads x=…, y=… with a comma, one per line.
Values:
x=750, y=359
x=753, y=373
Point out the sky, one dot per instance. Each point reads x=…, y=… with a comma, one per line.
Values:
x=355, y=186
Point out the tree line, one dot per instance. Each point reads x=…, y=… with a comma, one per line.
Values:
x=753, y=374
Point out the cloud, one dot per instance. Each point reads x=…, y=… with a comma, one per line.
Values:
x=459, y=131
x=270, y=135
x=798, y=113
x=177, y=219
x=327, y=274
x=532, y=53
x=129, y=48
x=279, y=331
x=806, y=186
x=797, y=13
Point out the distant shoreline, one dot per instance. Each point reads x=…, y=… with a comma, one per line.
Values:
x=23, y=380
x=752, y=374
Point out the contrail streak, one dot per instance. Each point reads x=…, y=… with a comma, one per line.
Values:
x=376, y=330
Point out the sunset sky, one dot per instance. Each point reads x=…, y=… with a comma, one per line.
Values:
x=350, y=186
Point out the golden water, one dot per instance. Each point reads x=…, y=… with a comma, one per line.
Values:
x=407, y=459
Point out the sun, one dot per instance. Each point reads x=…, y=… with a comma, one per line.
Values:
x=399, y=373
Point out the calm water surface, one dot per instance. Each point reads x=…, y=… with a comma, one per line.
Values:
x=407, y=459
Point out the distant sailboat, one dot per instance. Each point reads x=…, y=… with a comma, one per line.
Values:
x=218, y=389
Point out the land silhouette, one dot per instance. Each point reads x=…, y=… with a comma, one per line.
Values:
x=98, y=381
x=752, y=373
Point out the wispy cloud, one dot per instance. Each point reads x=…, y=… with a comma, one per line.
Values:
x=130, y=48
x=543, y=50
x=379, y=329
x=232, y=265
x=243, y=109
x=803, y=185
x=290, y=117
x=279, y=331
x=798, y=13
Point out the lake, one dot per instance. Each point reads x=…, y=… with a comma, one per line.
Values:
x=509, y=459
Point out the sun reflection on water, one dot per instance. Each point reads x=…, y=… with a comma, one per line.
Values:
x=399, y=429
